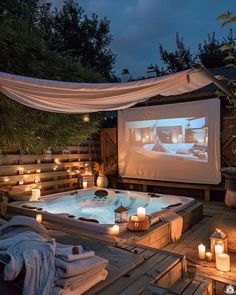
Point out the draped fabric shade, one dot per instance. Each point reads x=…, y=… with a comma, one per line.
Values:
x=68, y=97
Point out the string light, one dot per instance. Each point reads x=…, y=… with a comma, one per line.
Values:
x=86, y=118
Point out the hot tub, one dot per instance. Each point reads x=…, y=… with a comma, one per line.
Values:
x=85, y=203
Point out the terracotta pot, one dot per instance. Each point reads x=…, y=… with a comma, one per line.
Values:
x=230, y=199
x=102, y=181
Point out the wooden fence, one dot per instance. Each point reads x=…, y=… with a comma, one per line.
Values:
x=60, y=172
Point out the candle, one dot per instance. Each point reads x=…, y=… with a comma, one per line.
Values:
x=115, y=229
x=38, y=170
x=20, y=182
x=36, y=194
x=208, y=256
x=39, y=217
x=21, y=169
x=134, y=218
x=223, y=262
x=218, y=250
x=37, y=180
x=201, y=251
x=141, y=212
x=85, y=184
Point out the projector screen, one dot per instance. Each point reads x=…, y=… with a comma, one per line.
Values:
x=175, y=142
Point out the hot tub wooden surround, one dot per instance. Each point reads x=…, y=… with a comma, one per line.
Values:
x=157, y=236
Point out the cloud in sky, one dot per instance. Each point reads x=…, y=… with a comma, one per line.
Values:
x=139, y=26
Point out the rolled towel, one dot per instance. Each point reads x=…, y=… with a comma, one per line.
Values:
x=72, y=282
x=68, y=269
x=65, y=253
x=84, y=285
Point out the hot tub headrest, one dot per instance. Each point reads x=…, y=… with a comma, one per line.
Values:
x=101, y=193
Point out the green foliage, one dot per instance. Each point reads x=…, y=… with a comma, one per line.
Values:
x=212, y=53
x=25, y=52
x=71, y=33
x=230, y=59
x=178, y=60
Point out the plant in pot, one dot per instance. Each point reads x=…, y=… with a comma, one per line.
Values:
x=103, y=169
x=230, y=186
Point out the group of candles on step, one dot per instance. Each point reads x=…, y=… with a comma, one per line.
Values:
x=141, y=216
x=218, y=252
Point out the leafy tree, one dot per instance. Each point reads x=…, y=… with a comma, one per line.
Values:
x=230, y=59
x=210, y=52
x=178, y=60
x=24, y=52
x=71, y=33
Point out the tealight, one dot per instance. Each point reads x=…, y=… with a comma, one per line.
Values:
x=21, y=169
x=20, y=182
x=38, y=170
x=208, y=256
x=201, y=252
x=141, y=213
x=85, y=184
x=39, y=218
x=115, y=229
x=223, y=262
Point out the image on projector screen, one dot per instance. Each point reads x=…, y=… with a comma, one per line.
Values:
x=182, y=138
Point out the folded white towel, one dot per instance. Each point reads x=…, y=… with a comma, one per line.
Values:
x=68, y=269
x=84, y=285
x=72, y=282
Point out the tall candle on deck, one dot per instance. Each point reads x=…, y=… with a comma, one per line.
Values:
x=201, y=251
x=141, y=213
x=36, y=194
x=115, y=229
x=223, y=262
x=39, y=218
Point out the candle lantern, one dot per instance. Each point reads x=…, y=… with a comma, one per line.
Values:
x=121, y=214
x=219, y=238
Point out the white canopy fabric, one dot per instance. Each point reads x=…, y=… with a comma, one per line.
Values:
x=67, y=97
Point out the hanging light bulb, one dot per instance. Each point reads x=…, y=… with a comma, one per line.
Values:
x=86, y=118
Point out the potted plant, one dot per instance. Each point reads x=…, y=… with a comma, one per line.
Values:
x=103, y=169
x=230, y=186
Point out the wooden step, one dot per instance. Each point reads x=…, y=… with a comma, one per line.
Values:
x=194, y=286
x=160, y=267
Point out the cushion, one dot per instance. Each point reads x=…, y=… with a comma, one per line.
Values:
x=184, y=151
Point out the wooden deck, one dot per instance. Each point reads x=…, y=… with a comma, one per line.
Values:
x=200, y=233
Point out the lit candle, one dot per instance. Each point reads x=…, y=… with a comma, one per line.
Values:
x=208, y=256
x=20, y=182
x=141, y=212
x=37, y=180
x=39, y=217
x=38, y=170
x=218, y=250
x=36, y=194
x=223, y=262
x=134, y=218
x=201, y=251
x=21, y=169
x=85, y=184
x=115, y=229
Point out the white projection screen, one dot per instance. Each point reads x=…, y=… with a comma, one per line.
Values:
x=176, y=142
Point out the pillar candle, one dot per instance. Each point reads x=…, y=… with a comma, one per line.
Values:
x=36, y=194
x=39, y=217
x=201, y=251
x=141, y=212
x=223, y=262
x=115, y=229
x=85, y=184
